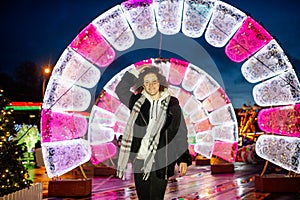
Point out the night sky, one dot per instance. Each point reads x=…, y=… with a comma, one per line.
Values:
x=39, y=31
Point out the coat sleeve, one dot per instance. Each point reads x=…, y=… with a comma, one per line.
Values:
x=183, y=153
x=181, y=140
x=123, y=89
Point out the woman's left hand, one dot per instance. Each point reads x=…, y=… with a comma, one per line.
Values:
x=182, y=169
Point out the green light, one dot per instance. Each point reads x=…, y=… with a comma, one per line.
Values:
x=23, y=107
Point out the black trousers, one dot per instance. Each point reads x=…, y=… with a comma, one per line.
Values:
x=153, y=188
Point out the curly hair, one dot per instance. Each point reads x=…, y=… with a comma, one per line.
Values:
x=150, y=69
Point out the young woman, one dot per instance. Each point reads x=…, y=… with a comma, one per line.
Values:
x=155, y=137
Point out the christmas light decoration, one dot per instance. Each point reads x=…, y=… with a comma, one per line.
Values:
x=219, y=123
x=212, y=128
x=13, y=174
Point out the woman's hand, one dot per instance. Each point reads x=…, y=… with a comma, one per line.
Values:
x=182, y=168
x=143, y=67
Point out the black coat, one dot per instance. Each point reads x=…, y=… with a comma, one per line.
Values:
x=173, y=146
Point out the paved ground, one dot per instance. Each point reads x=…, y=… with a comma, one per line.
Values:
x=199, y=183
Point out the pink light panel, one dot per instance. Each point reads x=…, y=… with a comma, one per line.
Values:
x=90, y=44
x=102, y=152
x=284, y=120
x=109, y=102
x=178, y=69
x=184, y=97
x=203, y=125
x=225, y=150
x=143, y=62
x=250, y=37
x=216, y=100
x=59, y=126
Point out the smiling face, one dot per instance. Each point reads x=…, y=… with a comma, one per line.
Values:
x=151, y=85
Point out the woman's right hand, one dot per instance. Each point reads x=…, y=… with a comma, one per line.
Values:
x=143, y=67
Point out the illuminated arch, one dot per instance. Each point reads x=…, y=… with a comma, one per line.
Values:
x=72, y=85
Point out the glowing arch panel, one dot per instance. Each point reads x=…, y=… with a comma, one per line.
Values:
x=279, y=90
x=224, y=22
x=250, y=37
x=92, y=45
x=59, y=126
x=196, y=15
x=101, y=152
x=168, y=15
x=65, y=96
x=114, y=27
x=266, y=63
x=63, y=156
x=141, y=17
x=280, y=150
x=286, y=118
x=74, y=68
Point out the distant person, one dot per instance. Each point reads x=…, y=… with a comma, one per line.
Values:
x=155, y=137
x=37, y=146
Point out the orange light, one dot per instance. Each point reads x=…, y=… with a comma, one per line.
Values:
x=47, y=70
